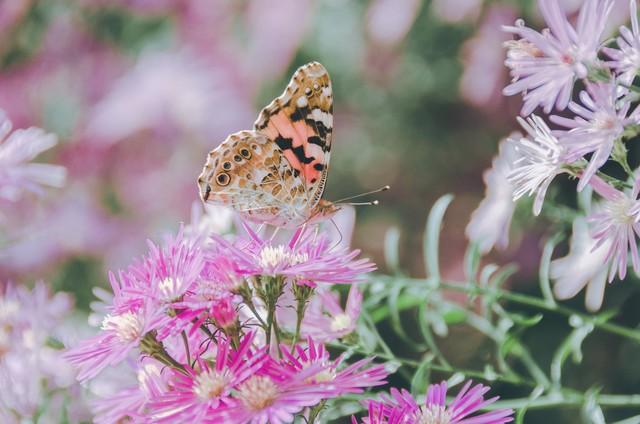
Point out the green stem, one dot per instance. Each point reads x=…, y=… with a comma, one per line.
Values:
x=520, y=298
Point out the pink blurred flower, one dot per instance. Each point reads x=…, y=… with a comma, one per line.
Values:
x=435, y=409
x=490, y=222
x=325, y=320
x=17, y=149
x=541, y=159
x=169, y=89
x=388, y=21
x=131, y=401
x=600, y=120
x=456, y=11
x=544, y=66
x=615, y=223
x=202, y=393
x=626, y=59
x=586, y=265
x=482, y=55
x=307, y=258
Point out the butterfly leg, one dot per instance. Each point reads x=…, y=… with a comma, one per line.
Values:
x=273, y=236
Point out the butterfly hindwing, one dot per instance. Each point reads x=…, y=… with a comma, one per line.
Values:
x=300, y=123
x=248, y=172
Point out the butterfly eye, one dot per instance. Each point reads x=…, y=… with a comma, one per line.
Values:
x=226, y=166
x=223, y=179
x=237, y=158
x=245, y=153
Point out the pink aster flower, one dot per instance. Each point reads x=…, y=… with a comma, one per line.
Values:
x=616, y=223
x=544, y=66
x=626, y=60
x=541, y=159
x=170, y=270
x=308, y=258
x=120, y=334
x=273, y=397
x=490, y=222
x=435, y=409
x=326, y=320
x=17, y=149
x=600, y=120
x=207, y=390
x=352, y=379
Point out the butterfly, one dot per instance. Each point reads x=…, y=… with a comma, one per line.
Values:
x=276, y=173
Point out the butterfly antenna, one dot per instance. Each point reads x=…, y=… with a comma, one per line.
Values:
x=372, y=203
x=378, y=190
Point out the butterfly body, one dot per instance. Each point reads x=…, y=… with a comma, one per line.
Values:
x=276, y=173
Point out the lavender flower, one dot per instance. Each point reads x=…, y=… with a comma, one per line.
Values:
x=626, y=60
x=544, y=66
x=19, y=147
x=490, y=222
x=600, y=121
x=540, y=161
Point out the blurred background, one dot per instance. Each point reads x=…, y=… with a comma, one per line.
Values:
x=139, y=91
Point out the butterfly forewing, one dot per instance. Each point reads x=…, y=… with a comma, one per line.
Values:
x=300, y=122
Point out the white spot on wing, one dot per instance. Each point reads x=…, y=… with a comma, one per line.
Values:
x=319, y=115
x=302, y=102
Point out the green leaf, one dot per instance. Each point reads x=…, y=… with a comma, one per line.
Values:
x=432, y=236
x=420, y=379
x=454, y=316
x=535, y=394
x=545, y=262
x=471, y=261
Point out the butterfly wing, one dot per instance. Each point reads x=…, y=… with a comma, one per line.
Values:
x=300, y=122
x=249, y=172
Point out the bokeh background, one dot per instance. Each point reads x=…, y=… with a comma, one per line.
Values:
x=138, y=91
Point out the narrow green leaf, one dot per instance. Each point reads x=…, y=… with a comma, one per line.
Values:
x=543, y=274
x=471, y=261
x=420, y=379
x=432, y=236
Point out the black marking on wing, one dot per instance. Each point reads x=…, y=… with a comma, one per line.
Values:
x=299, y=152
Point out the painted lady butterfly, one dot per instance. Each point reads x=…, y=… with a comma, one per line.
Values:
x=276, y=173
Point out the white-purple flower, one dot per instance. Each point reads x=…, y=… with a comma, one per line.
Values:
x=541, y=159
x=586, y=265
x=599, y=121
x=490, y=222
x=17, y=149
x=544, y=65
x=626, y=60
x=616, y=224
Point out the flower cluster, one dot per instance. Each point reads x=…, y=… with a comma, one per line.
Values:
x=238, y=323
x=589, y=131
